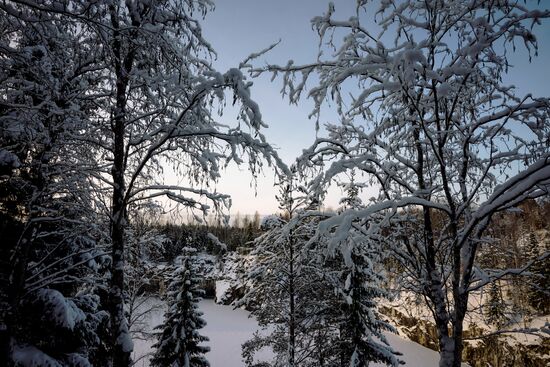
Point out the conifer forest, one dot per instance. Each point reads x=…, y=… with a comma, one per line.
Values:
x=404, y=146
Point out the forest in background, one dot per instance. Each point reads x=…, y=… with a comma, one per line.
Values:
x=512, y=303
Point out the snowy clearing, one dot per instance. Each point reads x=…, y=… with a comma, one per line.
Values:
x=228, y=329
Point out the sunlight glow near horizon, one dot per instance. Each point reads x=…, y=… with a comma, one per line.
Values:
x=238, y=28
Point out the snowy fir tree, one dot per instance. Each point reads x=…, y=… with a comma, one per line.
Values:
x=318, y=296
x=277, y=281
x=495, y=308
x=539, y=281
x=180, y=343
x=359, y=282
x=351, y=198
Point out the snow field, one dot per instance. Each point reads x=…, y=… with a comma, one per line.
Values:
x=228, y=328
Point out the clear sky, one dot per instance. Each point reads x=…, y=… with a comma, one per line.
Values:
x=236, y=28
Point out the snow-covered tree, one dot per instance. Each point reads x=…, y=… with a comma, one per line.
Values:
x=153, y=90
x=356, y=273
x=539, y=282
x=425, y=114
x=351, y=198
x=164, y=90
x=277, y=280
x=495, y=308
x=319, y=301
x=180, y=343
x=50, y=232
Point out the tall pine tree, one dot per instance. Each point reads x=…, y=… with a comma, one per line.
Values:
x=355, y=275
x=179, y=342
x=495, y=307
x=539, y=285
x=278, y=279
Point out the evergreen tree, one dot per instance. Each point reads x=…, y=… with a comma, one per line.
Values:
x=539, y=285
x=317, y=293
x=179, y=342
x=278, y=278
x=495, y=307
x=355, y=268
x=351, y=199
x=359, y=287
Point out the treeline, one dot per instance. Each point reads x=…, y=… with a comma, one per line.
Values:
x=239, y=234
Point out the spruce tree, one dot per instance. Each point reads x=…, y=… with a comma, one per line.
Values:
x=358, y=282
x=538, y=294
x=179, y=342
x=496, y=306
x=317, y=292
x=280, y=282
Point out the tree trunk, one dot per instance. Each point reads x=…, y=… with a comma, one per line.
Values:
x=446, y=345
x=121, y=356
x=435, y=290
x=357, y=324
x=121, y=346
x=292, y=320
x=452, y=345
x=461, y=305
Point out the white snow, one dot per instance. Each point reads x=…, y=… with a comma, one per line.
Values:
x=270, y=221
x=222, y=286
x=228, y=329
x=414, y=355
x=30, y=356
x=221, y=246
x=155, y=317
x=125, y=340
x=60, y=309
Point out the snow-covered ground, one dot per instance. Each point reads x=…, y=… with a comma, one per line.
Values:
x=414, y=355
x=228, y=329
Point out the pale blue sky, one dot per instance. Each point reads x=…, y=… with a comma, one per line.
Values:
x=239, y=27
